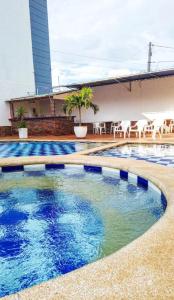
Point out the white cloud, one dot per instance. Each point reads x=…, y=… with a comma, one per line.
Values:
x=113, y=29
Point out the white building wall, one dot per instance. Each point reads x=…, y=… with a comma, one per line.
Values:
x=16, y=60
x=116, y=102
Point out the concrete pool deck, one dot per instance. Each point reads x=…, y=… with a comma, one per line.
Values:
x=89, y=138
x=144, y=269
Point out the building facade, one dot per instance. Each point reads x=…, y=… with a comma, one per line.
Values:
x=132, y=97
x=40, y=46
x=144, y=96
x=24, y=52
x=120, y=102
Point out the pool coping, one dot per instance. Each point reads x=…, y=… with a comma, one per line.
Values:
x=144, y=269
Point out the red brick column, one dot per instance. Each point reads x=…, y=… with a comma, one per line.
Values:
x=52, y=107
x=11, y=110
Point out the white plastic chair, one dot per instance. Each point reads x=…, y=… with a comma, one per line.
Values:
x=113, y=125
x=99, y=128
x=171, y=126
x=138, y=128
x=156, y=127
x=165, y=127
x=122, y=128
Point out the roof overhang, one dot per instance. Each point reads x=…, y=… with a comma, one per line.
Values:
x=124, y=79
x=68, y=89
x=56, y=96
x=62, y=96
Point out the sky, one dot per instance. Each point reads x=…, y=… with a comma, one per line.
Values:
x=97, y=39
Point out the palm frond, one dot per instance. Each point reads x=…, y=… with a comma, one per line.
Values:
x=94, y=107
x=79, y=100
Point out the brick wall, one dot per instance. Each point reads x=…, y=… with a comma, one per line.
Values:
x=5, y=130
x=47, y=126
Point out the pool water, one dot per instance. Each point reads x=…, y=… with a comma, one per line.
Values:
x=9, y=149
x=55, y=221
x=157, y=153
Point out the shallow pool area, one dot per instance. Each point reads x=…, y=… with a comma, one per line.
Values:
x=61, y=217
x=162, y=154
x=17, y=149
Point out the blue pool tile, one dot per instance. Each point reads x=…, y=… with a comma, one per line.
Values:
x=153, y=159
x=142, y=182
x=54, y=166
x=136, y=153
x=93, y=169
x=164, y=163
x=16, y=149
x=165, y=159
x=12, y=168
x=132, y=188
x=157, y=212
x=34, y=173
x=111, y=180
x=123, y=174
x=163, y=201
x=4, y=195
x=12, y=217
x=11, y=247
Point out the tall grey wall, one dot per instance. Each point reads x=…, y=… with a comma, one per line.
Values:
x=16, y=59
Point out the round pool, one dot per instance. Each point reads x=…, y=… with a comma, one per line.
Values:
x=61, y=217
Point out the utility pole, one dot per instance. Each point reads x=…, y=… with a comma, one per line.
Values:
x=149, y=57
x=58, y=80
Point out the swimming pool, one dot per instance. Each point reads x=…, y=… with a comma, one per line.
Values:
x=61, y=217
x=162, y=154
x=11, y=149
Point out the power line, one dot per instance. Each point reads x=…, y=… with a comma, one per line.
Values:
x=162, y=46
x=93, y=65
x=86, y=56
x=109, y=60
x=162, y=61
x=93, y=57
x=115, y=61
x=150, y=47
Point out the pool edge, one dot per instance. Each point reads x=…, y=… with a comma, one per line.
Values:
x=126, y=271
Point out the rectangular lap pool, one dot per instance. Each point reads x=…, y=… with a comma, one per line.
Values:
x=157, y=153
x=16, y=149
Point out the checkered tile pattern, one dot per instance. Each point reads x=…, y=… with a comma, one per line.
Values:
x=9, y=149
x=159, y=154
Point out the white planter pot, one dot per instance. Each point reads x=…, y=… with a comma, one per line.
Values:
x=80, y=131
x=23, y=133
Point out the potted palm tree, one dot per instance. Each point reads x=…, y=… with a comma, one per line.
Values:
x=78, y=101
x=22, y=126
